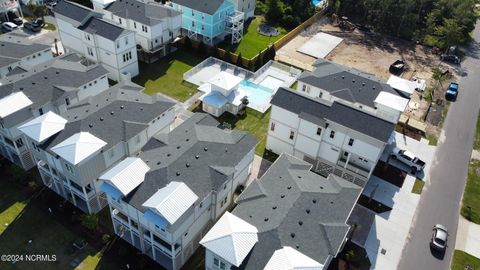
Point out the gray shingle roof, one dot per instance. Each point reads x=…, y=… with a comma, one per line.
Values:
x=115, y=115
x=72, y=10
x=146, y=13
x=14, y=46
x=196, y=153
x=102, y=28
x=205, y=6
x=295, y=207
x=346, y=83
x=49, y=81
x=317, y=112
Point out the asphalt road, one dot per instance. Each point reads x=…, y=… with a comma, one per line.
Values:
x=441, y=199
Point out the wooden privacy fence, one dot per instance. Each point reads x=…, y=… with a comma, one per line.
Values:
x=253, y=63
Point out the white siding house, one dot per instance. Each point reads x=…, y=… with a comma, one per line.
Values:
x=83, y=31
x=155, y=26
x=334, y=137
x=192, y=175
x=99, y=134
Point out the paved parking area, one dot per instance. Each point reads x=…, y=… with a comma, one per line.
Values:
x=389, y=231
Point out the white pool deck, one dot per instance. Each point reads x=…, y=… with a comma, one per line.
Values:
x=272, y=75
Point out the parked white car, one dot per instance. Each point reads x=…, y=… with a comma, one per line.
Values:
x=439, y=237
x=8, y=27
x=408, y=158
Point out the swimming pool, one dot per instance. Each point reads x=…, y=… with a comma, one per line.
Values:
x=258, y=96
x=316, y=2
x=271, y=82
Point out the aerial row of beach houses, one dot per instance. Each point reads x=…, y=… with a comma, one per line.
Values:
x=172, y=188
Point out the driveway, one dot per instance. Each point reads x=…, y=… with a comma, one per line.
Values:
x=389, y=230
x=440, y=201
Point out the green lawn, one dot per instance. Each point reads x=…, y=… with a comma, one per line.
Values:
x=462, y=259
x=252, y=42
x=471, y=196
x=253, y=122
x=476, y=140
x=29, y=219
x=166, y=75
x=418, y=186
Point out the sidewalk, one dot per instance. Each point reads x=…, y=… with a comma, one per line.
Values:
x=468, y=237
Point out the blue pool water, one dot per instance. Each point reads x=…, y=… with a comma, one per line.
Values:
x=259, y=95
x=316, y=2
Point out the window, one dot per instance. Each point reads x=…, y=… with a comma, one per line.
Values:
x=127, y=56
x=135, y=25
x=35, y=147
x=203, y=27
x=224, y=201
x=292, y=134
x=319, y=131
x=332, y=134
x=40, y=111
x=350, y=142
x=144, y=29
x=216, y=262
x=126, y=40
x=69, y=168
x=193, y=13
x=272, y=127
x=320, y=94
x=134, y=224
x=67, y=101
x=118, y=44
x=304, y=87
x=193, y=24
x=19, y=142
x=90, y=51
x=222, y=265
x=87, y=36
x=120, y=20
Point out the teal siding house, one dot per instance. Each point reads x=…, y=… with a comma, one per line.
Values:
x=210, y=21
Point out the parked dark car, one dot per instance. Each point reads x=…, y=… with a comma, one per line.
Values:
x=450, y=58
x=452, y=92
x=33, y=26
x=12, y=17
x=397, y=67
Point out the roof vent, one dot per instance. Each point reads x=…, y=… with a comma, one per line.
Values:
x=45, y=78
x=282, y=196
x=373, y=87
x=265, y=219
x=353, y=81
x=363, y=84
x=33, y=83
x=297, y=246
x=90, y=125
x=274, y=207
x=205, y=149
x=321, y=187
x=122, y=107
x=308, y=211
x=177, y=173
x=250, y=216
x=178, y=147
x=158, y=163
x=299, y=177
x=331, y=202
x=188, y=164
x=289, y=187
x=169, y=154
x=343, y=77
x=314, y=201
x=300, y=223
x=56, y=72
x=292, y=235
x=187, y=139
x=122, y=92
x=136, y=99
x=141, y=108
x=101, y=118
x=21, y=88
x=112, y=112
x=226, y=150
x=186, y=130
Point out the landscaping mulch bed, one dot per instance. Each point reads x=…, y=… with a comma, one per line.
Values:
x=390, y=173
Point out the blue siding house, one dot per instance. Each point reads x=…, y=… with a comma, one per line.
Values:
x=210, y=20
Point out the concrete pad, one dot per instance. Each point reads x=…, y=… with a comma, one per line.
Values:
x=320, y=45
x=468, y=237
